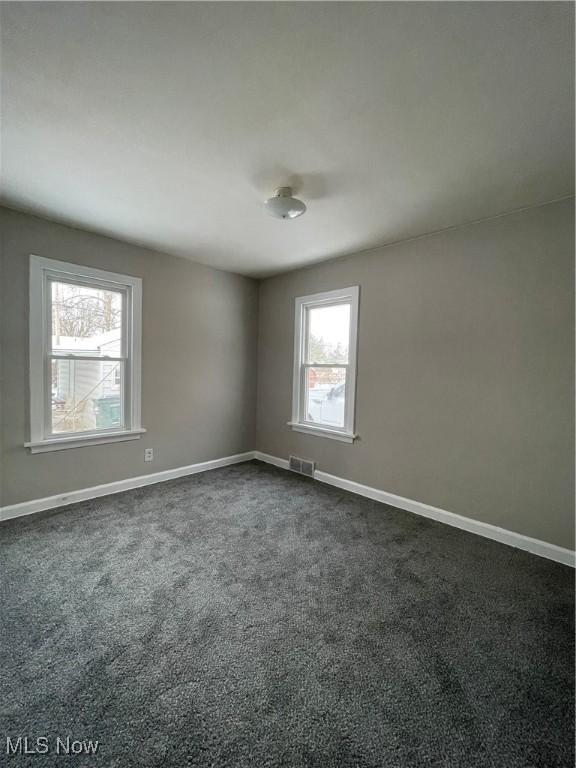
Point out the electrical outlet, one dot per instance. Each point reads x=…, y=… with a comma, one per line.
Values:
x=148, y=454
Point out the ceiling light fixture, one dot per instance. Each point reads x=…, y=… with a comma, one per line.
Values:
x=283, y=205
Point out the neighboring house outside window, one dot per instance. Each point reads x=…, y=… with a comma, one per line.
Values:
x=325, y=341
x=85, y=339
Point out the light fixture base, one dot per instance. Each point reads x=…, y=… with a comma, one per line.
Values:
x=283, y=205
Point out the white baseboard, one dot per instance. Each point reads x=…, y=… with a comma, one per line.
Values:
x=518, y=540
x=63, y=499
x=504, y=536
x=282, y=463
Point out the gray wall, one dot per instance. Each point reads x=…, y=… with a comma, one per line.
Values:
x=465, y=367
x=198, y=362
x=465, y=371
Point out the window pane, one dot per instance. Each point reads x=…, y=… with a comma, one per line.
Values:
x=328, y=334
x=325, y=395
x=87, y=395
x=86, y=320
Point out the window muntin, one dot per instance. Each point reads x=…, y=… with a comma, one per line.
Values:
x=325, y=361
x=84, y=352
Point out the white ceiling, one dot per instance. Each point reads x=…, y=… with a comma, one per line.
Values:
x=167, y=124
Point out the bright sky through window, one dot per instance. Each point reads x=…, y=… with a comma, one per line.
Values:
x=331, y=323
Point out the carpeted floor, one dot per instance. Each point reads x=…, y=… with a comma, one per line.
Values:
x=250, y=617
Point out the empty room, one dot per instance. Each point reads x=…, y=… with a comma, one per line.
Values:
x=287, y=384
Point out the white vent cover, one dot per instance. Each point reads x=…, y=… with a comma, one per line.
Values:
x=302, y=466
x=295, y=464
x=307, y=467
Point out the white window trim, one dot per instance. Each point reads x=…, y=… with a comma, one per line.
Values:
x=302, y=304
x=40, y=326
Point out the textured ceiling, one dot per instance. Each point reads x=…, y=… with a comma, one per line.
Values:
x=167, y=124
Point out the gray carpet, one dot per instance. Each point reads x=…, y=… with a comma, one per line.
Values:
x=250, y=617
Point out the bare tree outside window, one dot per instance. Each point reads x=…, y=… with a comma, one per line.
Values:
x=81, y=312
x=322, y=351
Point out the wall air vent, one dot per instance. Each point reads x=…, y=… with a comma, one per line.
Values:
x=295, y=464
x=302, y=466
x=308, y=468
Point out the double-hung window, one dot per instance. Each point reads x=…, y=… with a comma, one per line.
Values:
x=85, y=339
x=325, y=363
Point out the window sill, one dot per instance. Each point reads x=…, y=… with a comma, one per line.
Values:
x=63, y=443
x=333, y=434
